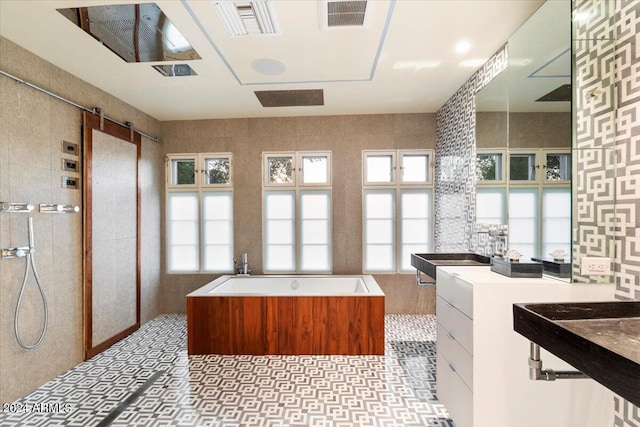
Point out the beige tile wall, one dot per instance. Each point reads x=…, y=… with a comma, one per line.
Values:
x=525, y=130
x=346, y=137
x=32, y=130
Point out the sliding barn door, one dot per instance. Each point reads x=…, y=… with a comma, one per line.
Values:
x=111, y=156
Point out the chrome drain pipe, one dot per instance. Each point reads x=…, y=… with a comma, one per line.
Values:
x=421, y=282
x=538, y=374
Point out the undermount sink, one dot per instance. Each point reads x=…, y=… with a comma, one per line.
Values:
x=427, y=263
x=601, y=339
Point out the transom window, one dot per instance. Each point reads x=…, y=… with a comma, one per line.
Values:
x=199, y=213
x=397, y=208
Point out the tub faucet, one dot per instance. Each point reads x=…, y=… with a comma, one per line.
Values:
x=242, y=268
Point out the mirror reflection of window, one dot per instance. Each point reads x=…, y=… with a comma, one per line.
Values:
x=558, y=167
x=522, y=167
x=489, y=167
x=491, y=205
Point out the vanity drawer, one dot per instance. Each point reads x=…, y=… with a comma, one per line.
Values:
x=453, y=393
x=457, y=356
x=456, y=290
x=455, y=323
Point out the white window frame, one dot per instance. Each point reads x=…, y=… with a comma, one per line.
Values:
x=299, y=188
x=397, y=156
x=498, y=182
x=543, y=155
x=200, y=188
x=396, y=186
x=297, y=158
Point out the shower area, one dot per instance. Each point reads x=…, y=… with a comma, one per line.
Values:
x=72, y=279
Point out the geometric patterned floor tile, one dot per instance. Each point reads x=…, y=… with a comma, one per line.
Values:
x=397, y=389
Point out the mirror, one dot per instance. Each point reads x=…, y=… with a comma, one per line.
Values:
x=523, y=138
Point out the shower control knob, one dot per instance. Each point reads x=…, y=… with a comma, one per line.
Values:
x=20, y=253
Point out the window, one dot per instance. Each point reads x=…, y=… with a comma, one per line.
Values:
x=199, y=213
x=556, y=220
x=397, y=208
x=523, y=221
x=557, y=167
x=538, y=200
x=297, y=212
x=491, y=205
x=522, y=167
x=490, y=166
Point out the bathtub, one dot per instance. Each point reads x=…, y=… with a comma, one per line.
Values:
x=287, y=315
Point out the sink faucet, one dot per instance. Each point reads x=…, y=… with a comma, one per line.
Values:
x=242, y=268
x=496, y=236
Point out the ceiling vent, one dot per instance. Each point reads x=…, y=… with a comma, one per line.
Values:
x=242, y=18
x=290, y=98
x=562, y=93
x=345, y=13
x=134, y=32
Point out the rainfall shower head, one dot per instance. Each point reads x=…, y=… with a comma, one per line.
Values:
x=134, y=32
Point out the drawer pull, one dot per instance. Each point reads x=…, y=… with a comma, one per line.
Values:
x=452, y=368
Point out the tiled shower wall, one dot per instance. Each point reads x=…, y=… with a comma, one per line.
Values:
x=607, y=149
x=31, y=134
x=455, y=205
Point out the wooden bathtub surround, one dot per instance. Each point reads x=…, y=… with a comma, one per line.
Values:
x=300, y=325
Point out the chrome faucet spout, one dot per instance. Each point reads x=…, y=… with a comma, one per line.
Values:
x=242, y=267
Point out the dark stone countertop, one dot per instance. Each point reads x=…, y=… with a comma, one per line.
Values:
x=428, y=262
x=601, y=339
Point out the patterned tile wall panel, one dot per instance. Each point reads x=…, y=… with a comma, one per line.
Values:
x=606, y=54
x=488, y=239
x=628, y=150
x=455, y=160
x=594, y=129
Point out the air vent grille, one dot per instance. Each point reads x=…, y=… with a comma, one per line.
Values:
x=346, y=13
x=242, y=18
x=290, y=98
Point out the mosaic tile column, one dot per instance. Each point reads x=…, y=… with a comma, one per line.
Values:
x=455, y=190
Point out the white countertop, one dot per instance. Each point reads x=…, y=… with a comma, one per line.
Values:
x=483, y=276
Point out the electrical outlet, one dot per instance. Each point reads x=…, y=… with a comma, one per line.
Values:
x=595, y=266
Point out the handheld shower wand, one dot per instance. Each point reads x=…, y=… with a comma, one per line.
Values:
x=30, y=261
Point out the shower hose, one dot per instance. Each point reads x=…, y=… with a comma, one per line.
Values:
x=30, y=261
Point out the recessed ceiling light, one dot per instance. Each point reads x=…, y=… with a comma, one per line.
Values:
x=269, y=67
x=463, y=46
x=520, y=62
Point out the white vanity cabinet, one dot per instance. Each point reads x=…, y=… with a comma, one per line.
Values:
x=482, y=371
